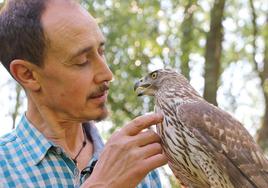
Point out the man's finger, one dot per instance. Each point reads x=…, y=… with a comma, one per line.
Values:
x=142, y=122
x=155, y=161
x=146, y=137
x=150, y=150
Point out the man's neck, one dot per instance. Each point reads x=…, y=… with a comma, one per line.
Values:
x=68, y=135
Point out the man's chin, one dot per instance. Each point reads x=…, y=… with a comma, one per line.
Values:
x=103, y=115
x=99, y=113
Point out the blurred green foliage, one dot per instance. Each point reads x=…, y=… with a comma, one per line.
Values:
x=131, y=29
x=143, y=33
x=140, y=33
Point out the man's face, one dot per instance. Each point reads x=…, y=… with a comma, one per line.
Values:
x=75, y=77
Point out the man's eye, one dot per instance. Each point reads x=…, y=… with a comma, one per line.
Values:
x=82, y=64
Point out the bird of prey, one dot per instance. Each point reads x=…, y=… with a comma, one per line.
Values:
x=205, y=146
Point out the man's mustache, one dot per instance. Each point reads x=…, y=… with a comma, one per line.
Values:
x=100, y=91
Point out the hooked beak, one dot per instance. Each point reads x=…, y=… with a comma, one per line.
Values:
x=140, y=87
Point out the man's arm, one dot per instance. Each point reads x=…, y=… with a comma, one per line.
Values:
x=129, y=155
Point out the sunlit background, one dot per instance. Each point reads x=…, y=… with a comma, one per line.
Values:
x=239, y=88
x=146, y=35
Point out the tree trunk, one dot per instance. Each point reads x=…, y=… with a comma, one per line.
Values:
x=18, y=103
x=262, y=137
x=262, y=133
x=255, y=33
x=187, y=37
x=213, y=52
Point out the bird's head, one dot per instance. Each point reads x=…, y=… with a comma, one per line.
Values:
x=157, y=80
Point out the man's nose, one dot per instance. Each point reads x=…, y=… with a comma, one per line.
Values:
x=105, y=74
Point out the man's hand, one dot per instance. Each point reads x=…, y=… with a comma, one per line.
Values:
x=129, y=155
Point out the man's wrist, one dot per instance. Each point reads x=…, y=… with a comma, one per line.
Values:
x=89, y=184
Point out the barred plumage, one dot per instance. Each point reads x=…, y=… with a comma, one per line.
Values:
x=206, y=147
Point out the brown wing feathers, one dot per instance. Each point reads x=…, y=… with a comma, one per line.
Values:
x=227, y=140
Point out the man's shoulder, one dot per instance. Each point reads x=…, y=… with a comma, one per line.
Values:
x=8, y=139
x=8, y=147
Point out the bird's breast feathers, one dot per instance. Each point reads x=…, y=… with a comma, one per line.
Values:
x=193, y=164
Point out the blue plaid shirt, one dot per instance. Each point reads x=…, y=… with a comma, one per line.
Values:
x=28, y=159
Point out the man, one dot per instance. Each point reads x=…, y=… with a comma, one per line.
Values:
x=55, y=50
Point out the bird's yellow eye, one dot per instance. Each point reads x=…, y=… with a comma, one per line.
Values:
x=154, y=75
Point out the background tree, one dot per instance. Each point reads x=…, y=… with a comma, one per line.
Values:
x=187, y=29
x=18, y=103
x=127, y=26
x=263, y=131
x=229, y=68
x=213, y=52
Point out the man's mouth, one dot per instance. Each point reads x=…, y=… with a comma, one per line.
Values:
x=102, y=91
x=97, y=95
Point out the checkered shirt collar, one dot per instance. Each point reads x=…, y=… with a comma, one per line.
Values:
x=33, y=143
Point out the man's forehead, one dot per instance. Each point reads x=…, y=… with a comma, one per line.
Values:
x=66, y=22
x=60, y=11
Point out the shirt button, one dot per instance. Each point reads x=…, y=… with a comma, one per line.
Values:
x=58, y=151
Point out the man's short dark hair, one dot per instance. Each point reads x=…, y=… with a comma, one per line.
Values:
x=21, y=32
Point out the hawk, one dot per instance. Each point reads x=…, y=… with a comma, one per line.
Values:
x=205, y=146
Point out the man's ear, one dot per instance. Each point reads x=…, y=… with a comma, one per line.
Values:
x=25, y=73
